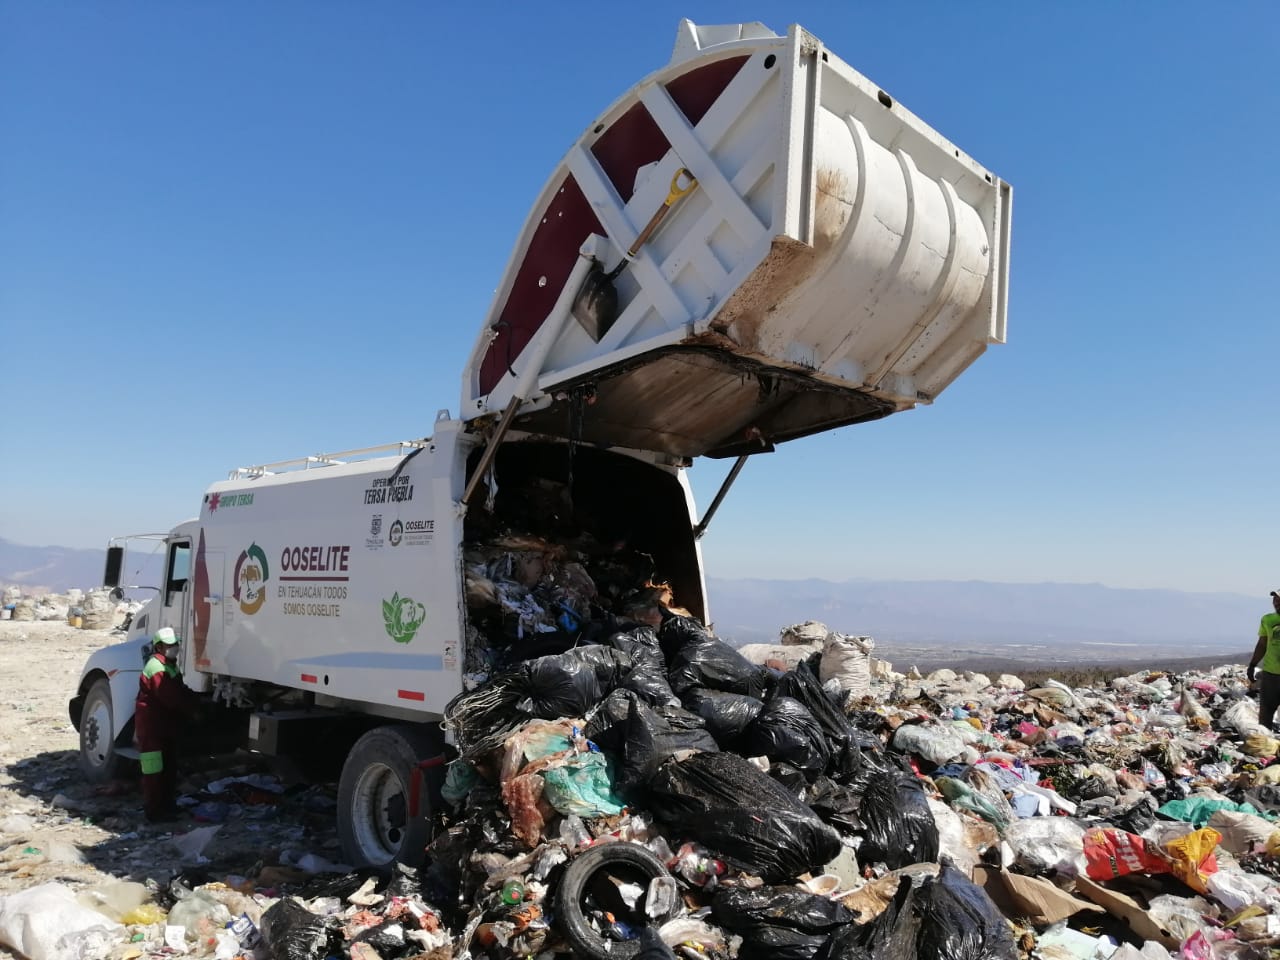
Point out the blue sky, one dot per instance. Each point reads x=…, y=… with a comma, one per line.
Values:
x=232, y=233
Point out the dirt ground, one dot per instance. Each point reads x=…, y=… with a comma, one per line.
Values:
x=56, y=827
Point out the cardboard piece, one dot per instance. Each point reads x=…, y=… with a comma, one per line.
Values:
x=1032, y=898
x=1124, y=907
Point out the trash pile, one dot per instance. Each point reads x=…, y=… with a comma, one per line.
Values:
x=95, y=610
x=656, y=794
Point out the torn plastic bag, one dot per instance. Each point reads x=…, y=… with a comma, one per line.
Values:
x=778, y=923
x=651, y=739
x=571, y=683
x=582, y=786
x=725, y=803
x=944, y=918
x=898, y=827
x=727, y=715
x=292, y=932
x=700, y=660
x=786, y=732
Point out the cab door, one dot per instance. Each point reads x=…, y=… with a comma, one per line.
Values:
x=175, y=589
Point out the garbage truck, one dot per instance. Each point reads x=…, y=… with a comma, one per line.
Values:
x=755, y=243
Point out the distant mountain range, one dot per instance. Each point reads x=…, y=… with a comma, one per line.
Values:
x=964, y=618
x=49, y=569
x=973, y=616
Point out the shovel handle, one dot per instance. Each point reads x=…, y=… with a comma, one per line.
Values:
x=675, y=193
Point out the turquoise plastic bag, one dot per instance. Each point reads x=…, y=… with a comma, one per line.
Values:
x=582, y=786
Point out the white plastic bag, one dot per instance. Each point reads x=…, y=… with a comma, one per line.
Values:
x=46, y=923
x=1242, y=716
x=847, y=660
x=951, y=837
x=933, y=743
x=1046, y=843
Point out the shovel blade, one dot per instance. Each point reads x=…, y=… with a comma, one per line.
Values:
x=596, y=305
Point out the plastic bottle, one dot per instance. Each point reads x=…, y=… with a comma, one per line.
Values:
x=513, y=891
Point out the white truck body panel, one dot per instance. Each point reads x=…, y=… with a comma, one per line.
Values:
x=341, y=579
x=835, y=244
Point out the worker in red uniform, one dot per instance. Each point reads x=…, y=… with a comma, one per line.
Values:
x=163, y=702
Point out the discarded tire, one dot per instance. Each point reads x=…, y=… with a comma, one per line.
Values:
x=626, y=861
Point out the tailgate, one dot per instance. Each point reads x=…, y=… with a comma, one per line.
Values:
x=838, y=260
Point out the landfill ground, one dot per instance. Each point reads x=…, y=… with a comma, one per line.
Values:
x=1129, y=818
x=54, y=827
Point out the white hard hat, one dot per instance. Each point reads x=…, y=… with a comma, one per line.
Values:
x=165, y=635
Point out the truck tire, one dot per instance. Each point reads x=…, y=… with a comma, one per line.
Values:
x=626, y=861
x=374, y=824
x=99, y=762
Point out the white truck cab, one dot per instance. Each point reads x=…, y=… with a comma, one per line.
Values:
x=753, y=244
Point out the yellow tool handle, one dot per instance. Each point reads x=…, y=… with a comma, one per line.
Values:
x=675, y=193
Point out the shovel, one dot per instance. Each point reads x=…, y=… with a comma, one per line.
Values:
x=596, y=305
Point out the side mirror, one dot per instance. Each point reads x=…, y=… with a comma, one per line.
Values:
x=115, y=562
x=117, y=594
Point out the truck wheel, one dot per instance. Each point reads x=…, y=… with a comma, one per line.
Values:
x=374, y=824
x=590, y=872
x=98, y=759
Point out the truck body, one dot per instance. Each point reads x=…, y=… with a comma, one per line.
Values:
x=835, y=261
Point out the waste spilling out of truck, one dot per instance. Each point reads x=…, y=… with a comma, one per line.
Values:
x=753, y=244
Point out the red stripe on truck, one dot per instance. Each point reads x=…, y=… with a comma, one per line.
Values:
x=308, y=678
x=411, y=695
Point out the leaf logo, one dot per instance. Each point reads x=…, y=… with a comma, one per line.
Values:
x=402, y=616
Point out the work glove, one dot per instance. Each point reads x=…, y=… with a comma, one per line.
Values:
x=1250, y=673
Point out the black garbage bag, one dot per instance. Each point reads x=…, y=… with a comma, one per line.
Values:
x=571, y=683
x=678, y=632
x=386, y=937
x=752, y=823
x=727, y=715
x=607, y=727
x=778, y=923
x=292, y=932
x=404, y=882
x=648, y=678
x=650, y=739
x=802, y=684
x=945, y=918
x=836, y=803
x=652, y=947
x=898, y=825
x=695, y=658
x=785, y=731
x=845, y=741
x=1135, y=818
x=639, y=642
